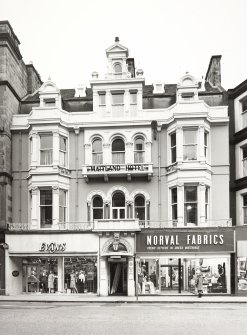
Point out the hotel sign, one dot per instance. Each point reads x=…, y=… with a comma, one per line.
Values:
x=117, y=168
x=185, y=241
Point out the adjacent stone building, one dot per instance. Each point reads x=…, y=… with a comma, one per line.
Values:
x=16, y=81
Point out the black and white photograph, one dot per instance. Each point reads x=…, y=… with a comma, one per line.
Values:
x=123, y=167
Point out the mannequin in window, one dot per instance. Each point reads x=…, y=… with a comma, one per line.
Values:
x=73, y=282
x=81, y=282
x=51, y=279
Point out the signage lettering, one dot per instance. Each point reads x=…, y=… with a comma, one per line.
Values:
x=110, y=168
x=52, y=247
x=189, y=241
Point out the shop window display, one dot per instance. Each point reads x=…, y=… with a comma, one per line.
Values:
x=148, y=276
x=40, y=275
x=213, y=272
x=80, y=274
x=242, y=274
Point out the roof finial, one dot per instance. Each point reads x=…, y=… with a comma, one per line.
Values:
x=116, y=39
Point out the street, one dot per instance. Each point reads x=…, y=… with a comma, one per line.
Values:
x=122, y=318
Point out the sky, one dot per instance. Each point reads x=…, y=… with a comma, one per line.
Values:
x=66, y=40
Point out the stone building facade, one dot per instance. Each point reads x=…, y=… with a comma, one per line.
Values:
x=16, y=81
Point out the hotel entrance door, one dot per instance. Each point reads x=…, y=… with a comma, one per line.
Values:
x=118, y=276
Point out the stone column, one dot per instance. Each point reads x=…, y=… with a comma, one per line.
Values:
x=60, y=274
x=201, y=204
x=55, y=207
x=55, y=152
x=103, y=277
x=131, y=281
x=148, y=152
x=180, y=204
x=88, y=153
x=129, y=153
x=34, y=150
x=200, y=151
x=106, y=153
x=179, y=144
x=35, y=208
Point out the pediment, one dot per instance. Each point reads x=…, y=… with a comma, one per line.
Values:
x=116, y=48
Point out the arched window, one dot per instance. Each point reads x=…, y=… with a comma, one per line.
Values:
x=97, y=153
x=118, y=205
x=118, y=151
x=140, y=208
x=97, y=207
x=117, y=68
x=139, y=150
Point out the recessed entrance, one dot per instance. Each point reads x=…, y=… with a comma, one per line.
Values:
x=118, y=276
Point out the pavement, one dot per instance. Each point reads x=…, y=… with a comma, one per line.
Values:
x=92, y=298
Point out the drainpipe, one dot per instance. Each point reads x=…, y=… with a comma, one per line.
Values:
x=77, y=130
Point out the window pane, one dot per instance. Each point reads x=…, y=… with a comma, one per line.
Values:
x=245, y=200
x=122, y=214
x=98, y=213
x=114, y=214
x=189, y=136
x=46, y=157
x=97, y=158
x=118, y=145
x=102, y=99
x=139, y=201
x=97, y=201
x=45, y=197
x=174, y=155
x=244, y=119
x=245, y=167
x=139, y=144
x=118, y=158
x=190, y=193
x=46, y=141
x=97, y=145
x=173, y=139
x=46, y=215
x=244, y=105
x=62, y=214
x=118, y=199
x=117, y=99
x=244, y=152
x=174, y=212
x=205, y=139
x=190, y=152
x=190, y=213
x=63, y=143
x=140, y=213
x=174, y=195
x=62, y=198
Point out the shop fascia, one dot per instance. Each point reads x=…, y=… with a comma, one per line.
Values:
x=187, y=241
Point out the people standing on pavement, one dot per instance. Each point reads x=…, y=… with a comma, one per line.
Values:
x=51, y=279
x=199, y=285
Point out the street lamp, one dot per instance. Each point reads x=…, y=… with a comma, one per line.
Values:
x=137, y=266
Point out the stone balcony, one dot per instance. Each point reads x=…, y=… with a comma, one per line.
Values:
x=117, y=170
x=124, y=225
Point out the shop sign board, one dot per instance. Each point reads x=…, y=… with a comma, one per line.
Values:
x=52, y=247
x=185, y=241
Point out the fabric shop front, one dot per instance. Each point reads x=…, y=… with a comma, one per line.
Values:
x=169, y=262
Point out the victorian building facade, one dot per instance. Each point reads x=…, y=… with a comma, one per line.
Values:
x=122, y=187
